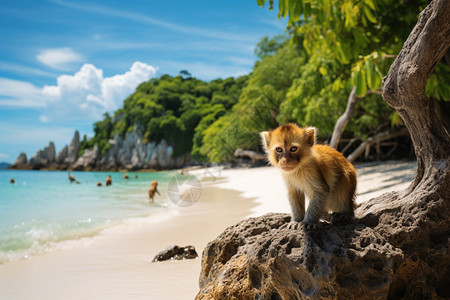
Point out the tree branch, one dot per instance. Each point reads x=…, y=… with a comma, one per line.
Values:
x=385, y=135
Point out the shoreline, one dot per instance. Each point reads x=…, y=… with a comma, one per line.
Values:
x=117, y=265
x=124, y=255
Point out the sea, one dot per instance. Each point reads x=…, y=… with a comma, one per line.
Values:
x=43, y=211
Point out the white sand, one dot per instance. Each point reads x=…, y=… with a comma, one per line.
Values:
x=118, y=265
x=267, y=187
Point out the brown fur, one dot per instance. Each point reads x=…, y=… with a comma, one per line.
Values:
x=319, y=171
x=153, y=189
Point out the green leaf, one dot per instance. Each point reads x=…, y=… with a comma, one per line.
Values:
x=261, y=2
x=370, y=4
x=361, y=86
x=283, y=8
x=369, y=15
x=373, y=81
x=295, y=10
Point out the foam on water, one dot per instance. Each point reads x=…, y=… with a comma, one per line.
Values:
x=44, y=212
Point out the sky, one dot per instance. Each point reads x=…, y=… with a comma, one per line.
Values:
x=64, y=63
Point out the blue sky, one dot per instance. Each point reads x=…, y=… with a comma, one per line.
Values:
x=63, y=63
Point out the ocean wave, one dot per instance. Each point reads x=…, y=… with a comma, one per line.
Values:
x=25, y=241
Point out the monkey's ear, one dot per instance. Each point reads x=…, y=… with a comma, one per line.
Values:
x=311, y=135
x=265, y=139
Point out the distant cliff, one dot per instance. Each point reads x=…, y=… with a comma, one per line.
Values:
x=129, y=153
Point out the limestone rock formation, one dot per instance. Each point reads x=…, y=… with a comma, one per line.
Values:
x=21, y=162
x=176, y=252
x=44, y=158
x=129, y=152
x=261, y=258
x=72, y=151
x=132, y=153
x=62, y=155
x=88, y=161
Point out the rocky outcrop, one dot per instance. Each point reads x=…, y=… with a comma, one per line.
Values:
x=262, y=258
x=73, y=149
x=177, y=253
x=132, y=153
x=44, y=158
x=129, y=153
x=21, y=162
x=88, y=161
x=62, y=155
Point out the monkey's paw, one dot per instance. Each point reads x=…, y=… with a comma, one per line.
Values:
x=293, y=225
x=310, y=225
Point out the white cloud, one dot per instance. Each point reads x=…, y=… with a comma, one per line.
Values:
x=44, y=119
x=20, y=69
x=85, y=95
x=17, y=93
x=59, y=58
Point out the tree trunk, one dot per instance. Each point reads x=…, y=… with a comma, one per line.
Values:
x=343, y=120
x=404, y=90
x=416, y=220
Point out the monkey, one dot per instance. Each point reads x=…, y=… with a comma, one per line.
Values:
x=152, y=190
x=108, y=180
x=319, y=171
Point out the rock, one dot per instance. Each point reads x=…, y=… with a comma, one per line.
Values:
x=261, y=258
x=62, y=155
x=43, y=158
x=21, y=162
x=176, y=252
x=132, y=153
x=74, y=148
x=88, y=160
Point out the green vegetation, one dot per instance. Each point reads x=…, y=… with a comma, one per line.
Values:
x=307, y=78
x=176, y=109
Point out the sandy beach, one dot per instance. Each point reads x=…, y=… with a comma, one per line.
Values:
x=117, y=264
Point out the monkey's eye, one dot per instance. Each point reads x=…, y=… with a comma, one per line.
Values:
x=278, y=149
x=293, y=149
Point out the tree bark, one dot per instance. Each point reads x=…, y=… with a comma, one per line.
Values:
x=404, y=90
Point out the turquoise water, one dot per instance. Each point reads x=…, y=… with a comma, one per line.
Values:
x=43, y=209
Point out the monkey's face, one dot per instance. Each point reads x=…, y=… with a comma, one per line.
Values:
x=287, y=155
x=287, y=145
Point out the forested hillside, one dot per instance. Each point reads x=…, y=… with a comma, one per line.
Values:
x=176, y=109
